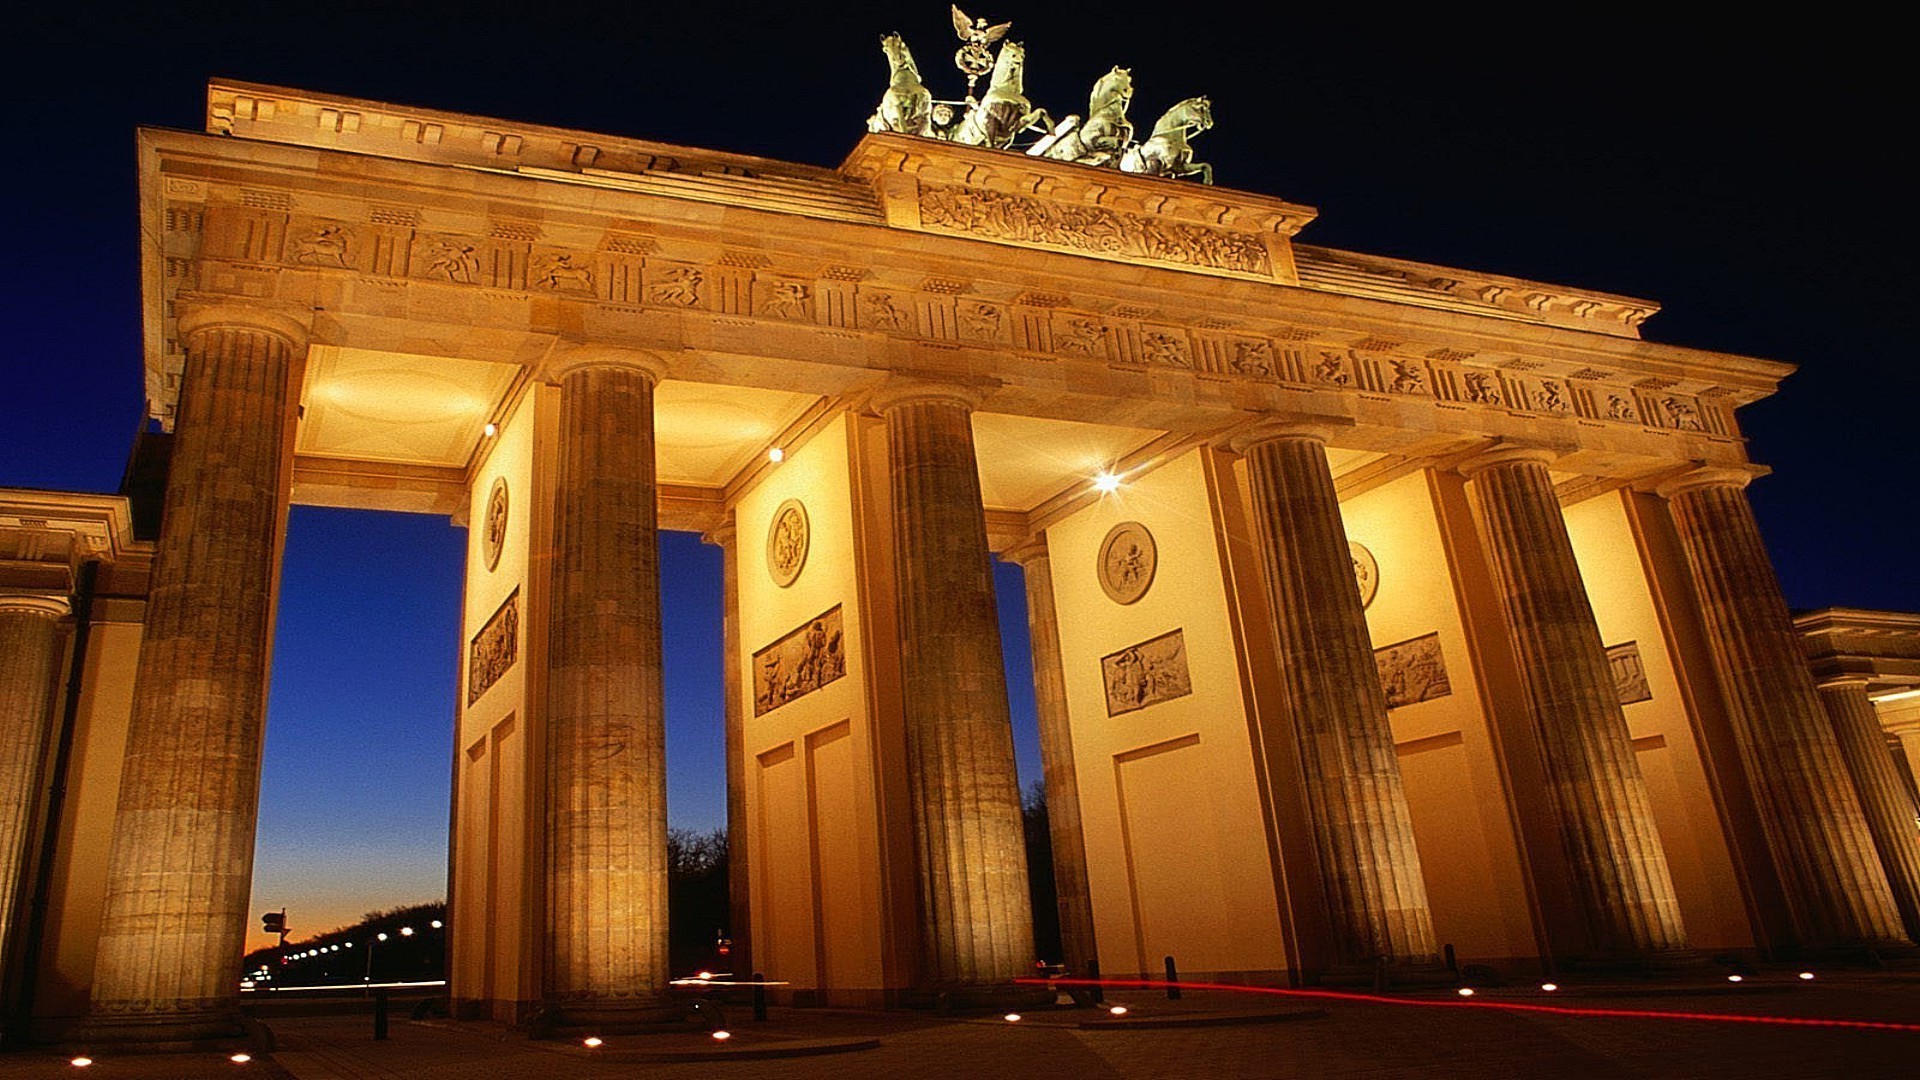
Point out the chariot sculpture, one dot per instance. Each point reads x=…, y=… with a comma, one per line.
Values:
x=1003, y=119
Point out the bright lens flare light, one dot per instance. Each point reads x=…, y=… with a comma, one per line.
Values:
x=590, y=1041
x=1106, y=483
x=776, y=455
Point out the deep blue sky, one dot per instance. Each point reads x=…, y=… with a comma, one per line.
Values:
x=1748, y=174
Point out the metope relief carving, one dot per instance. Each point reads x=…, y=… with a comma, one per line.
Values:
x=1619, y=408
x=1481, y=389
x=1078, y=335
x=1332, y=369
x=1095, y=229
x=1629, y=673
x=787, y=300
x=1412, y=671
x=981, y=321
x=1146, y=674
x=1366, y=572
x=674, y=286
x=1167, y=348
x=1128, y=559
x=1550, y=399
x=453, y=260
x=323, y=245
x=882, y=312
x=806, y=659
x=787, y=541
x=557, y=272
x=493, y=536
x=1408, y=378
x=494, y=649
x=1252, y=358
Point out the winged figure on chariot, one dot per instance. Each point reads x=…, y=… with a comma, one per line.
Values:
x=1003, y=117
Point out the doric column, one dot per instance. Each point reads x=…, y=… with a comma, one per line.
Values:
x=1891, y=815
x=1376, y=896
x=181, y=867
x=1822, y=848
x=739, y=883
x=976, y=928
x=29, y=663
x=1606, y=819
x=1073, y=897
x=606, y=736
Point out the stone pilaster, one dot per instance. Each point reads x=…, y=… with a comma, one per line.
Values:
x=1836, y=889
x=1073, y=896
x=1363, y=835
x=1891, y=815
x=178, y=878
x=606, y=797
x=739, y=879
x=1598, y=794
x=976, y=928
x=29, y=663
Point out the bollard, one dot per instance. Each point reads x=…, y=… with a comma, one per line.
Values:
x=1173, y=980
x=379, y=1014
x=1099, y=995
x=759, y=996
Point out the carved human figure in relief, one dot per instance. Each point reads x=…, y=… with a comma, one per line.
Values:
x=1082, y=337
x=980, y=320
x=1252, y=358
x=454, y=261
x=1481, y=390
x=1618, y=408
x=325, y=246
x=1332, y=368
x=1549, y=398
x=907, y=106
x=1682, y=414
x=1407, y=377
x=676, y=285
x=1100, y=138
x=884, y=313
x=789, y=300
x=1166, y=348
x=1167, y=151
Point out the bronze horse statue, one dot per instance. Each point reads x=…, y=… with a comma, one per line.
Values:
x=1167, y=152
x=907, y=106
x=1106, y=131
x=1004, y=112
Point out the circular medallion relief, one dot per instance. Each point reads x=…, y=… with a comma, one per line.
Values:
x=493, y=534
x=787, y=542
x=1366, y=572
x=1127, y=561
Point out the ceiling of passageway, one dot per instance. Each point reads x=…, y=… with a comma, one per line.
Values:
x=398, y=407
x=1025, y=461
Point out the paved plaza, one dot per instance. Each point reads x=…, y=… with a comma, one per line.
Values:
x=1428, y=1035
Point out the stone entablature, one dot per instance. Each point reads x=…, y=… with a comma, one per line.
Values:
x=1881, y=646
x=46, y=535
x=367, y=239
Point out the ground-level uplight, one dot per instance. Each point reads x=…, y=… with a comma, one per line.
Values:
x=1735, y=978
x=722, y=1035
x=1549, y=987
x=1465, y=991
x=406, y=931
x=437, y=924
x=1013, y=1018
x=590, y=1041
x=1117, y=1010
x=241, y=1058
x=1807, y=975
x=81, y=1062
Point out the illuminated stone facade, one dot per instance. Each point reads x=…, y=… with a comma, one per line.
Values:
x=861, y=382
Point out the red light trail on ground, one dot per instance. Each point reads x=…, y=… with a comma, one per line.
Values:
x=1505, y=1006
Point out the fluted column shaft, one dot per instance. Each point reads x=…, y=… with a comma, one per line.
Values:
x=181, y=867
x=1598, y=794
x=1837, y=891
x=976, y=923
x=29, y=659
x=1889, y=808
x=1362, y=831
x=606, y=736
x=739, y=881
x=1072, y=895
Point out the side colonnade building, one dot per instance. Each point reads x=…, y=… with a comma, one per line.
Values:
x=1414, y=607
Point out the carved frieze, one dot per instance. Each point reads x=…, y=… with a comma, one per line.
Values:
x=494, y=649
x=1332, y=369
x=1251, y=357
x=1629, y=673
x=884, y=311
x=788, y=538
x=1021, y=219
x=981, y=320
x=1079, y=335
x=806, y=659
x=1166, y=347
x=494, y=529
x=673, y=284
x=1412, y=671
x=1146, y=674
x=448, y=258
x=327, y=244
x=783, y=299
x=1128, y=559
x=1408, y=377
x=560, y=271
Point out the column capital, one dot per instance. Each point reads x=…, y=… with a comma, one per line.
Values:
x=46, y=605
x=1031, y=550
x=205, y=316
x=567, y=357
x=1283, y=428
x=899, y=390
x=1506, y=452
x=721, y=535
x=1842, y=681
x=1705, y=476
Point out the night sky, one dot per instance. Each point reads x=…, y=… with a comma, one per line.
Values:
x=1744, y=175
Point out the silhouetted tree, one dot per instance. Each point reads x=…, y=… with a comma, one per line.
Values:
x=697, y=911
x=1040, y=888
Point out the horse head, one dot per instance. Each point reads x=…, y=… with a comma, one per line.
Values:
x=898, y=56
x=1009, y=68
x=1195, y=113
x=1114, y=90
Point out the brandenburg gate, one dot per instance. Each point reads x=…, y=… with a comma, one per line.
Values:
x=1376, y=607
